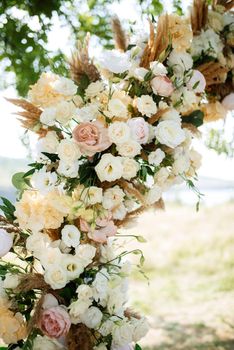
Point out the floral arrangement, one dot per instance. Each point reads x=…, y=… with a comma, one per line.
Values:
x=111, y=141
x=212, y=52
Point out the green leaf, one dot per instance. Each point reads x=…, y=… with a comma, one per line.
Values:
x=195, y=118
x=52, y=156
x=138, y=347
x=141, y=239
x=18, y=181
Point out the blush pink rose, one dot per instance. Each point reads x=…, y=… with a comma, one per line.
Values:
x=162, y=86
x=92, y=137
x=228, y=102
x=104, y=228
x=139, y=129
x=55, y=322
x=197, y=83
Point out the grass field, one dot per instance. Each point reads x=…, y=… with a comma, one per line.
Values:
x=190, y=264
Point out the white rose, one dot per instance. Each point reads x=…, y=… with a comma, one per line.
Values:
x=92, y=317
x=140, y=73
x=69, y=170
x=65, y=86
x=48, y=116
x=44, y=181
x=140, y=330
x=146, y=105
x=119, y=132
x=86, y=253
x=56, y=277
x=115, y=61
x=171, y=114
x=77, y=308
x=180, y=62
x=113, y=197
x=169, y=133
x=49, y=301
x=64, y=111
x=100, y=285
x=6, y=242
x=161, y=176
x=119, y=212
x=158, y=68
x=84, y=292
x=117, y=108
x=130, y=168
x=106, y=328
x=88, y=113
x=122, y=334
x=129, y=149
x=155, y=158
x=153, y=195
x=109, y=168
x=68, y=151
x=72, y=265
x=91, y=195
x=46, y=343
x=71, y=236
x=11, y=281
x=48, y=144
x=94, y=89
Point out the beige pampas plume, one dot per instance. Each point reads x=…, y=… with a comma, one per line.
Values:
x=81, y=65
x=158, y=43
x=213, y=72
x=199, y=15
x=80, y=337
x=119, y=35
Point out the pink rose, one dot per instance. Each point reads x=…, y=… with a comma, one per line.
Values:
x=92, y=137
x=55, y=322
x=162, y=86
x=104, y=228
x=228, y=102
x=139, y=129
x=197, y=83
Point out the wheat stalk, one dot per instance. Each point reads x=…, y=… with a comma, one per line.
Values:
x=119, y=35
x=199, y=15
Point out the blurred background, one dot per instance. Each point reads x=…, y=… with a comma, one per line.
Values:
x=189, y=255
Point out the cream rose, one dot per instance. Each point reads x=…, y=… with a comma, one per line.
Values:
x=129, y=149
x=130, y=168
x=119, y=132
x=68, y=151
x=146, y=105
x=117, y=108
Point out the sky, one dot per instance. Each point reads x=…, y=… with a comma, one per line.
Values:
x=10, y=132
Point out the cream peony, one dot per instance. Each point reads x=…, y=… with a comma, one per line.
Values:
x=119, y=132
x=146, y=105
x=129, y=149
x=169, y=133
x=109, y=168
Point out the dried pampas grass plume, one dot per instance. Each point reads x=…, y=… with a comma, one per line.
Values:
x=80, y=338
x=158, y=43
x=199, y=15
x=119, y=35
x=227, y=4
x=213, y=72
x=81, y=65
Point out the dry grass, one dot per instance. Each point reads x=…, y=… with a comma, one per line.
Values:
x=190, y=263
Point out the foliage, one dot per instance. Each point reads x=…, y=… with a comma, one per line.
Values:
x=217, y=142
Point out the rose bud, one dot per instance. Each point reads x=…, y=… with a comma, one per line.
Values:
x=197, y=83
x=162, y=86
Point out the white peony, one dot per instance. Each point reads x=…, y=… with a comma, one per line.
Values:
x=48, y=116
x=72, y=265
x=69, y=170
x=48, y=144
x=56, y=277
x=153, y=195
x=130, y=168
x=65, y=86
x=84, y=292
x=92, y=317
x=119, y=132
x=44, y=181
x=158, y=68
x=109, y=168
x=91, y=195
x=129, y=149
x=71, y=236
x=180, y=62
x=122, y=334
x=169, y=133
x=6, y=242
x=86, y=253
x=117, y=108
x=65, y=110
x=155, y=158
x=115, y=61
x=146, y=105
x=68, y=151
x=11, y=281
x=94, y=89
x=113, y=197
